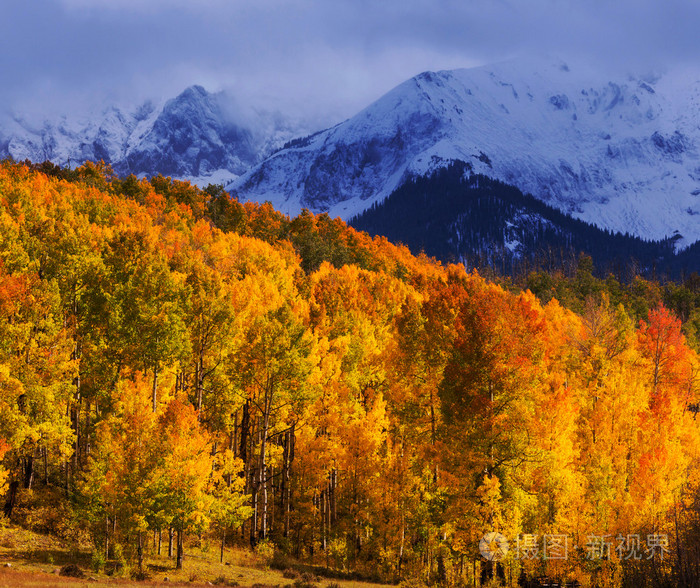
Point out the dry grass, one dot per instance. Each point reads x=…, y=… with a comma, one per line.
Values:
x=35, y=560
x=31, y=576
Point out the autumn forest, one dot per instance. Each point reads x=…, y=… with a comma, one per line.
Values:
x=176, y=367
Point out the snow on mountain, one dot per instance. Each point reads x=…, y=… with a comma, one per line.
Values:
x=620, y=153
x=197, y=135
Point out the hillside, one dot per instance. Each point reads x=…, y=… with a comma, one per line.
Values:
x=177, y=365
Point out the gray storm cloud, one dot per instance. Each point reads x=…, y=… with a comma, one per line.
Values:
x=317, y=56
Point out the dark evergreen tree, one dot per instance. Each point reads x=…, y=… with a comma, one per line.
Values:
x=458, y=216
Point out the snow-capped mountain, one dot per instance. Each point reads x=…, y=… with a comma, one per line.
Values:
x=197, y=135
x=620, y=153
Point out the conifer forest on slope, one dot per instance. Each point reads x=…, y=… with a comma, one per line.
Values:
x=175, y=362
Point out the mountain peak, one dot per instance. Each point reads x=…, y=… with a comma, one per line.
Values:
x=196, y=135
x=193, y=93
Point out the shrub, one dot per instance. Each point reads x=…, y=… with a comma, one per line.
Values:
x=98, y=561
x=306, y=581
x=280, y=561
x=222, y=581
x=71, y=571
x=140, y=576
x=265, y=550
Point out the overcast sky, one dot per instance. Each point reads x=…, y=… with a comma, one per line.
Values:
x=330, y=57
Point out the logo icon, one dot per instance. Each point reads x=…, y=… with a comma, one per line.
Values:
x=493, y=546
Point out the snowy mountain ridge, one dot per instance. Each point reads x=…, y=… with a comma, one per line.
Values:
x=622, y=154
x=201, y=136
